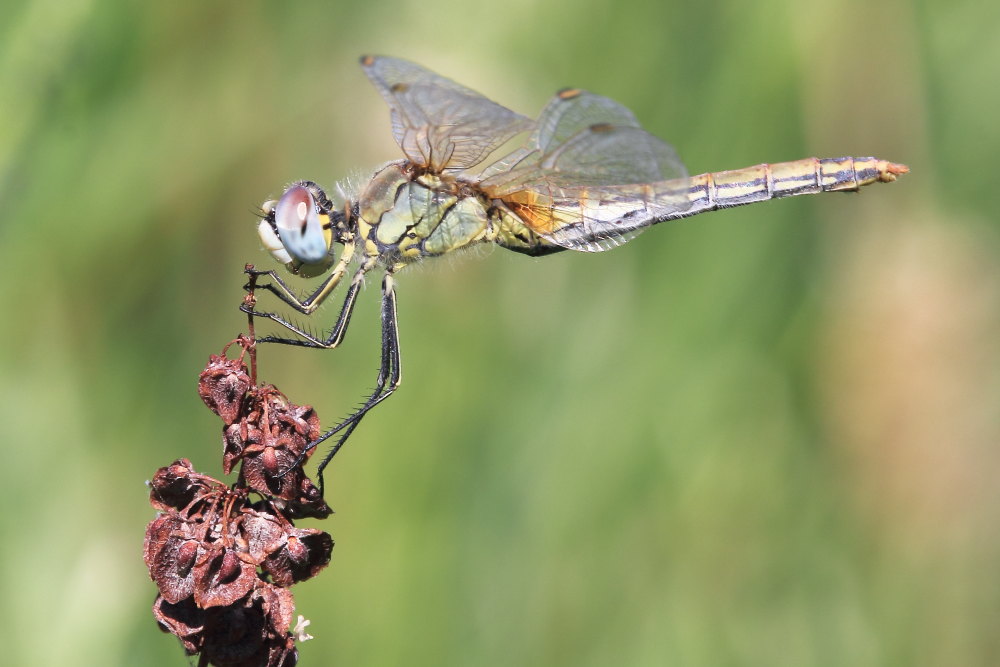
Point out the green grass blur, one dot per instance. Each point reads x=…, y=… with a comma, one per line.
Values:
x=766, y=436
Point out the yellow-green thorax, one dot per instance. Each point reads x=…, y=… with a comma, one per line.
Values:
x=405, y=215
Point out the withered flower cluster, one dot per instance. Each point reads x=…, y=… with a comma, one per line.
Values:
x=222, y=563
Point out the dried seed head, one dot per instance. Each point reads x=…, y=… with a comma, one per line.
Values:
x=177, y=485
x=307, y=503
x=264, y=533
x=222, y=565
x=183, y=619
x=222, y=578
x=170, y=552
x=223, y=385
x=270, y=437
x=304, y=553
x=271, y=472
x=235, y=438
x=253, y=631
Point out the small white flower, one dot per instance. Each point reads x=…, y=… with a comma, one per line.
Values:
x=299, y=631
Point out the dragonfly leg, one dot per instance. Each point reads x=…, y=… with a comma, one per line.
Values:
x=306, y=306
x=389, y=377
x=336, y=335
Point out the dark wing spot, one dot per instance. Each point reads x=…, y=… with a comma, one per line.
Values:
x=399, y=87
x=601, y=127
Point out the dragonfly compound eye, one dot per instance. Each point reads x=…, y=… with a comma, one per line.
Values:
x=299, y=226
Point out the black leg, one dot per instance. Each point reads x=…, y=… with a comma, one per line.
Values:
x=389, y=377
x=312, y=302
x=336, y=335
x=390, y=373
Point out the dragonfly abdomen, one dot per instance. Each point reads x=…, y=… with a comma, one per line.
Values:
x=721, y=189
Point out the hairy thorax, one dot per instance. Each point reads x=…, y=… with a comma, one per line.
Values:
x=405, y=215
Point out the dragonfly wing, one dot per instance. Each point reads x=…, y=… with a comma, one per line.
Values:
x=567, y=114
x=590, y=177
x=595, y=218
x=438, y=123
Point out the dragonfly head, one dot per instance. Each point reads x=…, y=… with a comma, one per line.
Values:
x=300, y=229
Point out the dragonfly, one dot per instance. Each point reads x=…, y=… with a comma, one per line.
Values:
x=586, y=177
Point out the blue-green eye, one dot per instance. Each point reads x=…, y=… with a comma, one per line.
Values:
x=299, y=226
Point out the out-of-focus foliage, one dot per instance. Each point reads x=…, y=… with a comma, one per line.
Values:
x=766, y=436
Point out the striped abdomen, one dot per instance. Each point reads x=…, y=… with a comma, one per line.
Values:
x=598, y=217
x=707, y=192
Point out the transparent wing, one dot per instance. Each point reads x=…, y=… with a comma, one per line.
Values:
x=589, y=177
x=598, y=218
x=438, y=123
x=564, y=119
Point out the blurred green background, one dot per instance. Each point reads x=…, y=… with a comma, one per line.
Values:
x=766, y=436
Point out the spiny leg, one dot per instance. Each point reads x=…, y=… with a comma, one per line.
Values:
x=305, y=306
x=336, y=335
x=389, y=377
x=331, y=341
x=390, y=373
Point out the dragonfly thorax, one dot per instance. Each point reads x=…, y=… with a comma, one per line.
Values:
x=405, y=215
